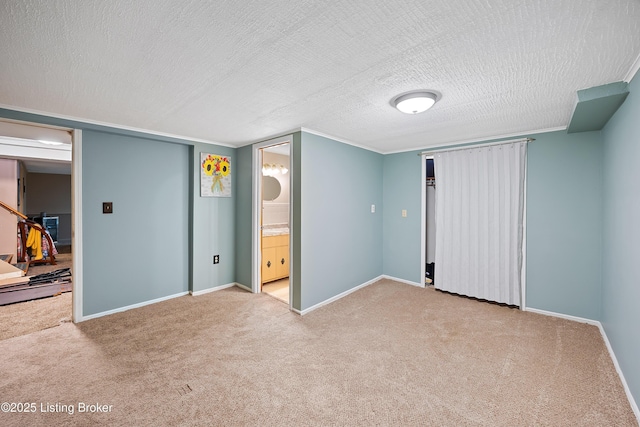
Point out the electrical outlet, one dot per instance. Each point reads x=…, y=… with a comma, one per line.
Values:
x=404, y=213
x=216, y=259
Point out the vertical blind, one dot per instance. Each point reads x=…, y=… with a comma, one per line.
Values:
x=479, y=221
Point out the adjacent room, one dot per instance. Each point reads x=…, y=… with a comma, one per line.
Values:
x=36, y=233
x=299, y=213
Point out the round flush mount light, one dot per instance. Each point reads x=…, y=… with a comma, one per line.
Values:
x=415, y=102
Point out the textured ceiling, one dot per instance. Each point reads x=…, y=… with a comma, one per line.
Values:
x=238, y=72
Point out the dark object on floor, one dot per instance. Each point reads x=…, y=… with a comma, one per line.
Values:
x=50, y=277
x=35, y=287
x=430, y=271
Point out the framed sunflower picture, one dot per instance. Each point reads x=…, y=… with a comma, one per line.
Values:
x=215, y=175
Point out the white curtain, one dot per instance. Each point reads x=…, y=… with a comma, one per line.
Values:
x=479, y=221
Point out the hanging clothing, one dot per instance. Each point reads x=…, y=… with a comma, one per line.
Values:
x=34, y=242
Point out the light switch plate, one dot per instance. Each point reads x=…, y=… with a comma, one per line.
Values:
x=107, y=207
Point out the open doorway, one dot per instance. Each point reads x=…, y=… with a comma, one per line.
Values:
x=430, y=221
x=274, y=221
x=272, y=227
x=38, y=195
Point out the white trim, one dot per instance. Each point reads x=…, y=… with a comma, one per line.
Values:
x=215, y=288
x=452, y=144
x=337, y=297
x=633, y=70
x=423, y=219
x=632, y=402
x=335, y=138
x=271, y=137
x=33, y=124
x=292, y=256
x=406, y=282
x=243, y=287
x=138, y=305
x=447, y=148
x=563, y=316
x=523, y=272
x=256, y=261
x=76, y=226
x=113, y=125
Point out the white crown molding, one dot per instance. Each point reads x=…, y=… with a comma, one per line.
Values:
x=335, y=138
x=633, y=70
x=313, y=132
x=112, y=125
x=480, y=140
x=300, y=129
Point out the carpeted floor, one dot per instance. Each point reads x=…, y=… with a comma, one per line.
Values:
x=31, y=316
x=388, y=354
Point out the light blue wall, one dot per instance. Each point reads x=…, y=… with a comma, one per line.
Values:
x=564, y=217
x=243, y=218
x=564, y=199
x=621, y=271
x=213, y=226
x=140, y=251
x=401, y=240
x=340, y=238
x=209, y=225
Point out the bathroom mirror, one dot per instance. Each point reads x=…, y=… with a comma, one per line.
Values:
x=270, y=188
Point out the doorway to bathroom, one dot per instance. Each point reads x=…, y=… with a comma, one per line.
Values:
x=274, y=213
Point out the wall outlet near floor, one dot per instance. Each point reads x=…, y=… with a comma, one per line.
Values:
x=404, y=213
x=216, y=259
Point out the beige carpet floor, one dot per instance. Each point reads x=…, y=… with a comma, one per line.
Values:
x=31, y=316
x=388, y=354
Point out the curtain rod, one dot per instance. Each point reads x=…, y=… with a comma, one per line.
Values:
x=444, y=148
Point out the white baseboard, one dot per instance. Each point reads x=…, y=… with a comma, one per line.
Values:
x=335, y=298
x=632, y=402
x=129, y=307
x=407, y=282
x=215, y=288
x=563, y=316
x=243, y=287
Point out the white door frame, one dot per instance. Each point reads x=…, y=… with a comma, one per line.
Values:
x=76, y=224
x=423, y=220
x=256, y=208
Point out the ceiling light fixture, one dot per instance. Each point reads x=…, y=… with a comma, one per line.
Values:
x=415, y=102
x=50, y=142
